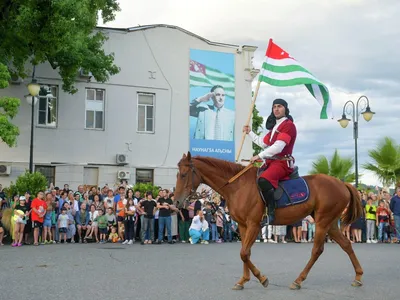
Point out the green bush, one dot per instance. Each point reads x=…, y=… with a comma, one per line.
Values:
x=144, y=187
x=33, y=182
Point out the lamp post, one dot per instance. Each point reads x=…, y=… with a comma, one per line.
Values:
x=33, y=88
x=354, y=110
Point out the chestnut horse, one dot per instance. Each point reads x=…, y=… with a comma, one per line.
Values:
x=327, y=200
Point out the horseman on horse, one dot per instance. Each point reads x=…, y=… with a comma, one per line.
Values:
x=298, y=197
x=278, y=146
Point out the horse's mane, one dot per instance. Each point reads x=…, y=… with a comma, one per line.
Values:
x=223, y=165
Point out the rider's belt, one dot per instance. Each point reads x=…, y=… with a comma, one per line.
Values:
x=285, y=157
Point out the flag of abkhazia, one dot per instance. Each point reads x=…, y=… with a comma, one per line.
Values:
x=280, y=69
x=204, y=76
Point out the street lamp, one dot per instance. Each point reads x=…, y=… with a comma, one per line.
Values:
x=33, y=88
x=354, y=110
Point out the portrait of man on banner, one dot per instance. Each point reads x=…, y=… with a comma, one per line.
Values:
x=212, y=103
x=214, y=122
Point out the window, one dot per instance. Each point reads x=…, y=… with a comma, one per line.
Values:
x=49, y=172
x=47, y=115
x=144, y=176
x=94, y=109
x=145, y=115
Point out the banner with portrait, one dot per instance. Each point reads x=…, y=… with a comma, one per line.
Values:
x=212, y=104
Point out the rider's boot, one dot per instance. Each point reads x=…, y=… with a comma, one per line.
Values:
x=268, y=190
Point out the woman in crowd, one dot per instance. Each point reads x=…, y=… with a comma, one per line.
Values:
x=93, y=224
x=199, y=229
x=130, y=211
x=97, y=203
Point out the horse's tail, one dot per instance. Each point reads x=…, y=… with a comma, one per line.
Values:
x=354, y=208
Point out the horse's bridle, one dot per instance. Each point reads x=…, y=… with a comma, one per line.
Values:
x=192, y=190
x=193, y=195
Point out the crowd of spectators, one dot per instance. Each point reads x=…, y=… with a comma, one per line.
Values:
x=127, y=216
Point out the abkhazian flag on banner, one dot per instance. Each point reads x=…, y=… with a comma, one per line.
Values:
x=201, y=75
x=280, y=69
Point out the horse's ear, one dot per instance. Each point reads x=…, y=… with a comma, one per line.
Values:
x=189, y=156
x=183, y=156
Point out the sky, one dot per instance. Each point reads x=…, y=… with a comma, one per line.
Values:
x=349, y=45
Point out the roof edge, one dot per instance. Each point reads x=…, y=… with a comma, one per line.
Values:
x=152, y=26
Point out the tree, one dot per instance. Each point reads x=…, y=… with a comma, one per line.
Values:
x=61, y=33
x=339, y=167
x=33, y=182
x=256, y=127
x=8, y=110
x=146, y=187
x=385, y=161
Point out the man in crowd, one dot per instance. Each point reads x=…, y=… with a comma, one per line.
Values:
x=395, y=209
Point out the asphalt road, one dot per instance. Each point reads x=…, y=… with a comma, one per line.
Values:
x=183, y=271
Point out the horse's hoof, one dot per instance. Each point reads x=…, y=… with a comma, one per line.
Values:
x=265, y=282
x=356, y=283
x=238, y=287
x=295, y=286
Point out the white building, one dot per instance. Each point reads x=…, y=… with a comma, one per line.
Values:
x=78, y=138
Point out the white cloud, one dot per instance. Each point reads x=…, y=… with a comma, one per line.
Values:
x=350, y=45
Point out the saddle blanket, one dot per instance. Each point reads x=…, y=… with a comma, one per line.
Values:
x=291, y=192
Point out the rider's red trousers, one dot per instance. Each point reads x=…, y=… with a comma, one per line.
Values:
x=276, y=170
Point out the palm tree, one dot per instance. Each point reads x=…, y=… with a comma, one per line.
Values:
x=386, y=162
x=339, y=167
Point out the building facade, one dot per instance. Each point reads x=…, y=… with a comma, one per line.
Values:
x=133, y=127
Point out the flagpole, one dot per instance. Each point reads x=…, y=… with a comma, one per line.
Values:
x=252, y=106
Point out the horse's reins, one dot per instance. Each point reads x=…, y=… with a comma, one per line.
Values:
x=194, y=195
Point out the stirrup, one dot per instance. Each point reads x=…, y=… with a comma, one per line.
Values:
x=269, y=220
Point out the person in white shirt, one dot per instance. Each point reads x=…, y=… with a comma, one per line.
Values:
x=109, y=200
x=199, y=229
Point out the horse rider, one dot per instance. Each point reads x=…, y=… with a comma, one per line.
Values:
x=278, y=146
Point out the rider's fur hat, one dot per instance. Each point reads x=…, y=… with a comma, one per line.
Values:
x=271, y=121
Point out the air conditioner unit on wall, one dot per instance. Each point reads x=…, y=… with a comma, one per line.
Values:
x=124, y=174
x=16, y=79
x=122, y=159
x=5, y=169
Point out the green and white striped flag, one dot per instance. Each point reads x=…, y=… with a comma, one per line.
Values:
x=201, y=75
x=280, y=69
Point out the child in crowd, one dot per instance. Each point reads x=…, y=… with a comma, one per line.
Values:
x=47, y=223
x=113, y=236
x=63, y=225
x=370, y=210
x=21, y=214
x=382, y=221
x=102, y=222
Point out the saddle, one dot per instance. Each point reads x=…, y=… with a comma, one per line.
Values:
x=290, y=191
